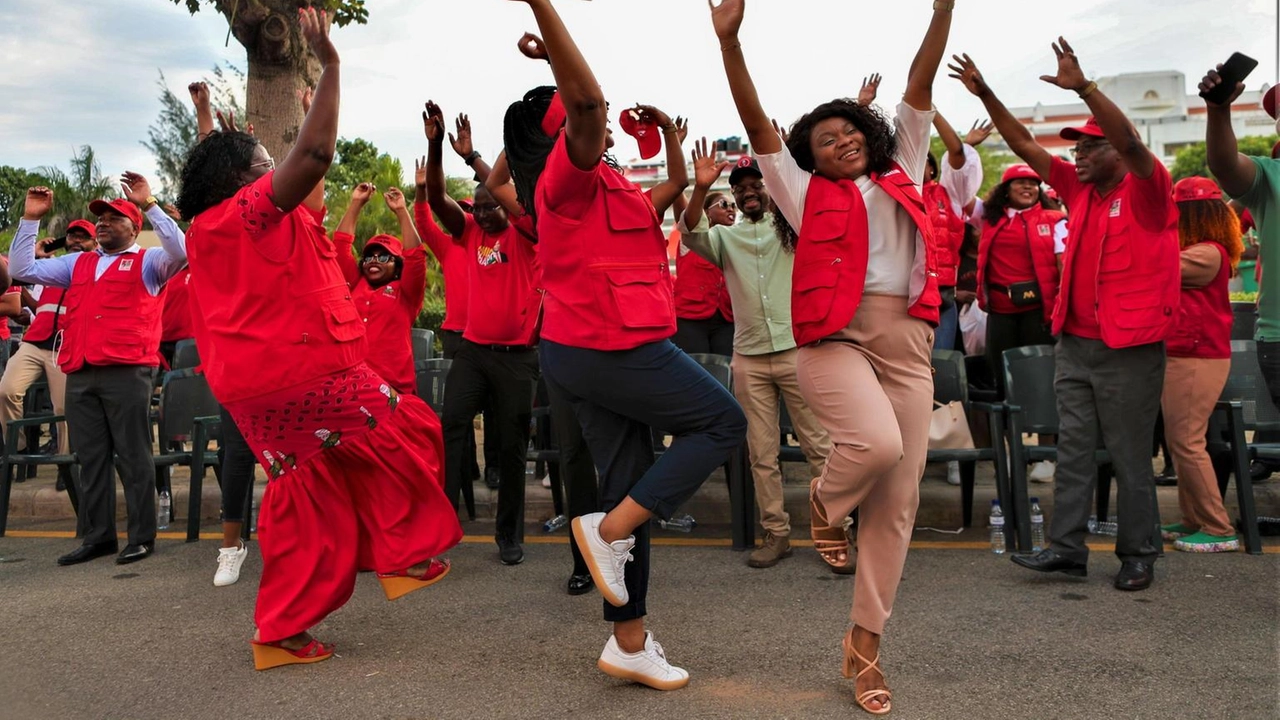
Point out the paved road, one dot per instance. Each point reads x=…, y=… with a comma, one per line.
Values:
x=972, y=637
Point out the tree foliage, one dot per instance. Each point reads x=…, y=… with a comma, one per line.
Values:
x=1193, y=161
x=72, y=193
x=173, y=134
x=344, y=12
x=13, y=191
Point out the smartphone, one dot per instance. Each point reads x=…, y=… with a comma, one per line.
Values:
x=1234, y=70
x=57, y=244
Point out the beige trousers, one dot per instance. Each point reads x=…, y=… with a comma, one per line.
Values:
x=1191, y=389
x=871, y=386
x=759, y=381
x=24, y=369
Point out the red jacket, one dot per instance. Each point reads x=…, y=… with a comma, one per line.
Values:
x=700, y=289
x=948, y=231
x=50, y=311
x=1037, y=224
x=111, y=320
x=831, y=255
x=1204, y=322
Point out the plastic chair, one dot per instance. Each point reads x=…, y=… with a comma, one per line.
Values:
x=1244, y=406
x=431, y=377
x=188, y=414
x=185, y=354
x=950, y=384
x=424, y=344
x=741, y=493
x=1244, y=319
x=13, y=460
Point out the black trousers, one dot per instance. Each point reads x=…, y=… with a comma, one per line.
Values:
x=450, y=341
x=710, y=335
x=503, y=383
x=109, y=417
x=576, y=470
x=237, y=462
x=1012, y=330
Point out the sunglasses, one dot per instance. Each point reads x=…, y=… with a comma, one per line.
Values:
x=724, y=205
x=379, y=258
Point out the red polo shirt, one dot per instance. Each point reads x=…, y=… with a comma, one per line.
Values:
x=453, y=264
x=500, y=281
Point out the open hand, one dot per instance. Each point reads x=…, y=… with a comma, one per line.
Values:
x=228, y=122
x=870, y=85
x=682, y=129
x=199, y=94
x=461, y=142
x=361, y=193
x=706, y=169
x=1070, y=76
x=966, y=71
x=420, y=172
x=1212, y=80
x=136, y=188
x=433, y=122
x=782, y=131
x=532, y=47
x=39, y=201
x=977, y=134
x=726, y=18
x=315, y=29
x=394, y=199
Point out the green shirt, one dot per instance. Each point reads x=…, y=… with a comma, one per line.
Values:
x=757, y=273
x=1263, y=201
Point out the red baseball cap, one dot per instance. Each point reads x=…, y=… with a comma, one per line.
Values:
x=1019, y=172
x=644, y=129
x=1089, y=129
x=84, y=225
x=390, y=243
x=1196, y=188
x=119, y=205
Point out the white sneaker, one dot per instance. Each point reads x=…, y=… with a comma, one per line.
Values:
x=607, y=561
x=229, y=562
x=953, y=472
x=1042, y=472
x=647, y=667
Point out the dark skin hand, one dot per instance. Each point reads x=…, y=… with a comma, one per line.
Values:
x=1234, y=171
x=309, y=160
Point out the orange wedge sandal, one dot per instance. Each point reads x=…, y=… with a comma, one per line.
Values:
x=832, y=543
x=866, y=696
x=399, y=584
x=267, y=655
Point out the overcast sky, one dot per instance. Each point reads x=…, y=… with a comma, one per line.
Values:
x=84, y=71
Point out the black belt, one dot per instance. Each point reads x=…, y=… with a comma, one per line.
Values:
x=510, y=348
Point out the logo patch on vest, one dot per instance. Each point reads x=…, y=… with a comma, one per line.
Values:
x=126, y=265
x=1115, y=207
x=1044, y=230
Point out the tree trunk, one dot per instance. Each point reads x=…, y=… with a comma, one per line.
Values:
x=280, y=65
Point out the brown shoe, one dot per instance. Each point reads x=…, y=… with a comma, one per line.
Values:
x=773, y=549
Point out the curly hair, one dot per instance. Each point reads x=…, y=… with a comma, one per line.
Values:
x=214, y=171
x=1203, y=220
x=997, y=201
x=881, y=146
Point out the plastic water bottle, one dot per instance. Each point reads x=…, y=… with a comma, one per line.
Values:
x=997, y=528
x=1037, y=526
x=1093, y=525
x=684, y=523
x=555, y=524
x=162, y=510
x=1110, y=527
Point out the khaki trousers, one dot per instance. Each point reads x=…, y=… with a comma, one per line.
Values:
x=759, y=381
x=871, y=386
x=1191, y=389
x=25, y=368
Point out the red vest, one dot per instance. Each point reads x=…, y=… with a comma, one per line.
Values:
x=175, y=320
x=111, y=320
x=831, y=255
x=50, y=310
x=1038, y=224
x=948, y=228
x=700, y=289
x=1203, y=329
x=606, y=274
x=263, y=325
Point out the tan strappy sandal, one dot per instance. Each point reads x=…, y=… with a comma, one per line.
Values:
x=832, y=543
x=866, y=696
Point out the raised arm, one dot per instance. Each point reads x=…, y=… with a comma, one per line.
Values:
x=500, y=186
x=1018, y=138
x=1234, y=171
x=408, y=233
x=665, y=192
x=204, y=111
x=586, y=113
x=1120, y=133
x=705, y=173
x=726, y=18
x=360, y=195
x=461, y=142
x=24, y=265
x=950, y=139
x=309, y=160
x=445, y=208
x=924, y=68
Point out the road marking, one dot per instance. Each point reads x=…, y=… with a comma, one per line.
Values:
x=1269, y=549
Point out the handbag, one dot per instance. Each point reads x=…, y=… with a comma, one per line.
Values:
x=949, y=428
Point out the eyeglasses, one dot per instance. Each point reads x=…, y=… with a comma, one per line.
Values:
x=724, y=205
x=1088, y=148
x=379, y=258
x=269, y=164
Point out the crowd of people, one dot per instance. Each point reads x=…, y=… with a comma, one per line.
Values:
x=843, y=255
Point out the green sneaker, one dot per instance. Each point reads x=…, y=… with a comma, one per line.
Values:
x=1204, y=543
x=1175, y=531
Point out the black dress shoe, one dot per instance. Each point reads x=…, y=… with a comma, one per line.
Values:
x=134, y=553
x=85, y=553
x=1050, y=561
x=1135, y=575
x=1167, y=478
x=491, y=478
x=580, y=584
x=510, y=552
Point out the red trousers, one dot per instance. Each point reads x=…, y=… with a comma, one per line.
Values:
x=375, y=502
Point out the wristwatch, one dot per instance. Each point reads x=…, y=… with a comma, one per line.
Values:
x=471, y=157
x=151, y=200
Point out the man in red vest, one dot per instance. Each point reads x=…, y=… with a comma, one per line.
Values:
x=34, y=357
x=1117, y=301
x=109, y=351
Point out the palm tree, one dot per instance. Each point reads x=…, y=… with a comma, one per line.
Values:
x=72, y=192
